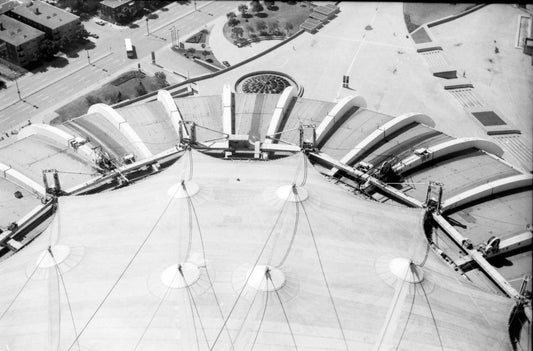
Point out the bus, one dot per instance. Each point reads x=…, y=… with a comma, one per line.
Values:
x=129, y=47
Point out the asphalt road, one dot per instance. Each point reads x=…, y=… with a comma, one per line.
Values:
x=56, y=85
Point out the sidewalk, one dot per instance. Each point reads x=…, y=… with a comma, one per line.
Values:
x=224, y=50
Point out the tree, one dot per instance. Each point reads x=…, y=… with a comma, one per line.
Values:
x=92, y=99
x=273, y=26
x=250, y=29
x=242, y=9
x=48, y=48
x=269, y=4
x=231, y=15
x=232, y=22
x=205, y=53
x=140, y=89
x=255, y=6
x=288, y=27
x=81, y=34
x=260, y=25
x=161, y=78
x=237, y=31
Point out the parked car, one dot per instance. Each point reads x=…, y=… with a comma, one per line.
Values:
x=226, y=63
x=100, y=22
x=94, y=35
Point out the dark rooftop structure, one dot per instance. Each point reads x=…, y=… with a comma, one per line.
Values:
x=15, y=32
x=44, y=14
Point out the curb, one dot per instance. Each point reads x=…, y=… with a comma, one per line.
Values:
x=55, y=81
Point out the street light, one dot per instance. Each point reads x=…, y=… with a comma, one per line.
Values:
x=147, y=30
x=18, y=90
x=88, y=57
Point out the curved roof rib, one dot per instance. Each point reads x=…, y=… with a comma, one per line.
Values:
x=164, y=97
x=379, y=134
x=279, y=113
x=334, y=117
x=488, y=189
x=446, y=148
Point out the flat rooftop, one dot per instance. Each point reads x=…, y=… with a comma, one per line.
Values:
x=15, y=32
x=47, y=15
x=115, y=3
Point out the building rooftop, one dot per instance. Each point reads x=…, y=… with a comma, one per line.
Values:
x=114, y=3
x=226, y=294
x=6, y=5
x=15, y=32
x=237, y=204
x=47, y=15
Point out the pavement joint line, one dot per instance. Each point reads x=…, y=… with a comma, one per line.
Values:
x=56, y=80
x=367, y=42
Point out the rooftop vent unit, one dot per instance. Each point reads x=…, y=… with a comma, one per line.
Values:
x=128, y=159
x=77, y=142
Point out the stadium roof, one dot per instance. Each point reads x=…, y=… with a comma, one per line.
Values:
x=334, y=267
x=258, y=269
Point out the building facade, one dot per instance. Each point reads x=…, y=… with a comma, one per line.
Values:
x=19, y=42
x=119, y=11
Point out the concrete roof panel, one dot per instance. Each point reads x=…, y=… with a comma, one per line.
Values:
x=33, y=154
x=11, y=208
x=152, y=124
x=253, y=113
x=458, y=174
x=353, y=130
x=101, y=132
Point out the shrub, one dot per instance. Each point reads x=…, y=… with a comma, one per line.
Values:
x=232, y=22
x=111, y=98
x=260, y=25
x=140, y=89
x=92, y=99
x=161, y=79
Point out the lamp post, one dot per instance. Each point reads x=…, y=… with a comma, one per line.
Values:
x=18, y=90
x=171, y=35
x=147, y=29
x=88, y=57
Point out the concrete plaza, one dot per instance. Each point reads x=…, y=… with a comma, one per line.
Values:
x=368, y=42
